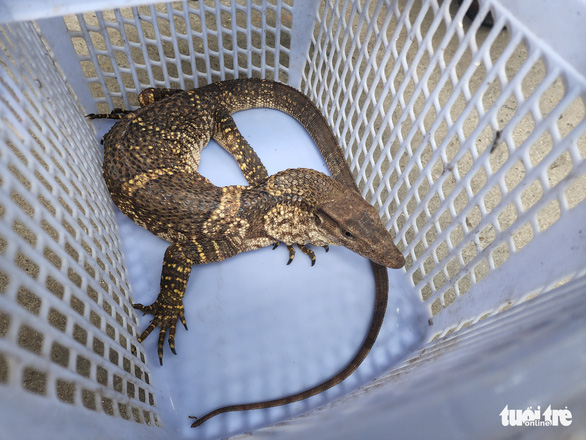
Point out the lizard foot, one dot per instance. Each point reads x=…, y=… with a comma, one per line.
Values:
x=165, y=317
x=117, y=113
x=303, y=248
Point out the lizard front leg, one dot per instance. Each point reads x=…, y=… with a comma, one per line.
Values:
x=303, y=248
x=177, y=264
x=168, y=307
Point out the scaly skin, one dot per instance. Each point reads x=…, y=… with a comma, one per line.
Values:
x=150, y=166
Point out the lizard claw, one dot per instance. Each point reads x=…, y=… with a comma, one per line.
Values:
x=140, y=308
x=161, y=343
x=307, y=252
x=291, y=250
x=165, y=317
x=303, y=248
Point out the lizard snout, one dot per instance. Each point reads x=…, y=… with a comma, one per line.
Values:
x=379, y=246
x=393, y=258
x=353, y=223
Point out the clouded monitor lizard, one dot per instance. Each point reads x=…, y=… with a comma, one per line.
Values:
x=151, y=158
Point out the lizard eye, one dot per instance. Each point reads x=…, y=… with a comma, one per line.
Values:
x=347, y=233
x=317, y=219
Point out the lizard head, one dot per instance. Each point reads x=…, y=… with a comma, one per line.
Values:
x=346, y=219
x=337, y=215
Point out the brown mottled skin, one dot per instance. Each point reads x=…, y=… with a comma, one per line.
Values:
x=150, y=167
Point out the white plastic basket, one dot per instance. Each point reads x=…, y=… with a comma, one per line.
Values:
x=470, y=139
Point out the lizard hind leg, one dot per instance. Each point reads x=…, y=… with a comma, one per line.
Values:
x=226, y=134
x=153, y=94
x=117, y=113
x=146, y=97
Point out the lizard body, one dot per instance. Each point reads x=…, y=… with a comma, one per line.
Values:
x=151, y=157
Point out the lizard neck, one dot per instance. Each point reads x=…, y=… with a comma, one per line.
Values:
x=282, y=208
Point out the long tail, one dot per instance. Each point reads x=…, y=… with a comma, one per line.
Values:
x=381, y=282
x=257, y=93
